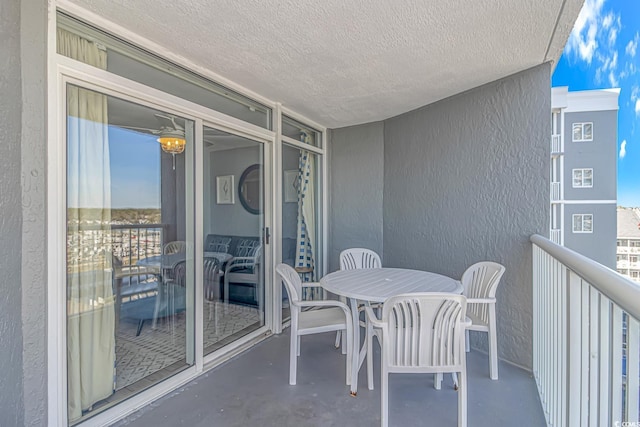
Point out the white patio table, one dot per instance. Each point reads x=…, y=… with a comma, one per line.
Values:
x=168, y=261
x=376, y=285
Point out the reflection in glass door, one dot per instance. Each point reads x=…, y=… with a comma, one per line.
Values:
x=301, y=204
x=233, y=225
x=129, y=226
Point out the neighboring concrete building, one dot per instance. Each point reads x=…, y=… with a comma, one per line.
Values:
x=584, y=170
x=628, y=251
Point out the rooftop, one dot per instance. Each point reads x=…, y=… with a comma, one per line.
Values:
x=628, y=222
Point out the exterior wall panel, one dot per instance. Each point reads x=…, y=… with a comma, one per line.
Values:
x=11, y=397
x=599, y=154
x=467, y=179
x=604, y=232
x=356, y=183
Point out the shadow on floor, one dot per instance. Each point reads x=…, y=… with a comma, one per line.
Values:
x=253, y=390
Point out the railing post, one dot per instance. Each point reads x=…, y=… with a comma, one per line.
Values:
x=574, y=347
x=633, y=371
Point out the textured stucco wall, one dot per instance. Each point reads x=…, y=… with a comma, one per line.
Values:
x=34, y=237
x=467, y=179
x=11, y=396
x=356, y=182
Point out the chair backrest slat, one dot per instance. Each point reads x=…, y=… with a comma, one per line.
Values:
x=356, y=258
x=211, y=279
x=292, y=283
x=481, y=281
x=424, y=330
x=174, y=247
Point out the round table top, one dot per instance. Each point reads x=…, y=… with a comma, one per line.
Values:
x=378, y=284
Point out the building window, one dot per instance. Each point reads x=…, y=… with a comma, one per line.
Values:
x=633, y=258
x=582, y=132
x=582, y=178
x=583, y=223
x=634, y=274
x=634, y=243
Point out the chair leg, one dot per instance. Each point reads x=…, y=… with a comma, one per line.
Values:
x=454, y=377
x=369, y=338
x=437, y=380
x=298, y=346
x=293, y=356
x=338, y=336
x=493, y=345
x=462, y=400
x=384, y=398
x=467, y=346
x=140, y=325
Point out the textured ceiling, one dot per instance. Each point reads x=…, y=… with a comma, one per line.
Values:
x=349, y=62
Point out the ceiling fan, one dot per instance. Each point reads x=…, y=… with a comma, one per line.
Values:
x=171, y=135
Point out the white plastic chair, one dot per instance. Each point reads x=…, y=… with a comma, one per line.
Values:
x=330, y=316
x=174, y=247
x=422, y=333
x=211, y=284
x=480, y=282
x=353, y=259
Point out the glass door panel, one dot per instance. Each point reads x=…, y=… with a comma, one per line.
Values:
x=300, y=219
x=233, y=227
x=129, y=226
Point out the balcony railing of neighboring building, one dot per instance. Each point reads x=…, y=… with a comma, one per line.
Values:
x=556, y=146
x=556, y=236
x=586, y=339
x=555, y=191
x=129, y=242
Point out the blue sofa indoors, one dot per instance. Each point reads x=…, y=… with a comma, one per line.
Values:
x=242, y=271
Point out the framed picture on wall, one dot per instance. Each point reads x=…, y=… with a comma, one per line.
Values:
x=225, y=191
x=291, y=186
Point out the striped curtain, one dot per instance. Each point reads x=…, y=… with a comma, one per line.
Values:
x=306, y=244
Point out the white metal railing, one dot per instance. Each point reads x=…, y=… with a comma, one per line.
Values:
x=556, y=236
x=586, y=339
x=555, y=191
x=555, y=144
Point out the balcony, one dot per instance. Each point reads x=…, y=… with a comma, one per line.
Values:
x=586, y=339
x=556, y=236
x=556, y=145
x=555, y=191
x=253, y=389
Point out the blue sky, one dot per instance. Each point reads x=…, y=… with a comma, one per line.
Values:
x=603, y=52
x=135, y=169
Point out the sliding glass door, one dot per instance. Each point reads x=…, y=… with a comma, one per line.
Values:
x=233, y=236
x=130, y=275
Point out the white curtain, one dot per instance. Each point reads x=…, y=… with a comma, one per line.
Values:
x=90, y=299
x=306, y=241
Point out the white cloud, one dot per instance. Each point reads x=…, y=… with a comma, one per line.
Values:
x=635, y=93
x=637, y=107
x=582, y=40
x=623, y=149
x=612, y=79
x=632, y=46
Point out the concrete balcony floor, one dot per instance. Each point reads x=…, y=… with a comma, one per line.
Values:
x=252, y=390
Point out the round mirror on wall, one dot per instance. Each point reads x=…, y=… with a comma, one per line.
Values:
x=249, y=189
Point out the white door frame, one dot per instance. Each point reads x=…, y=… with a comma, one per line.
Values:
x=82, y=75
